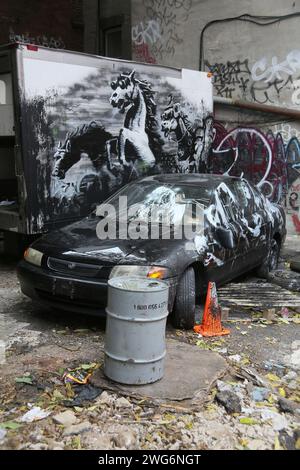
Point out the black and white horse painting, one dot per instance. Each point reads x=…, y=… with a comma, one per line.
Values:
x=134, y=98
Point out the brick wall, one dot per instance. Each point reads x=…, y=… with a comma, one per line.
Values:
x=58, y=23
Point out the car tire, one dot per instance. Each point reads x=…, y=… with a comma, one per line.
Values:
x=183, y=315
x=295, y=265
x=271, y=261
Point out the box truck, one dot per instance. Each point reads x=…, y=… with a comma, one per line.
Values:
x=76, y=127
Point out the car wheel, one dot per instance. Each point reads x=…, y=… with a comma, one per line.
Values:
x=183, y=315
x=295, y=265
x=271, y=261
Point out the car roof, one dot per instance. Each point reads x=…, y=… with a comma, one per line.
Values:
x=209, y=180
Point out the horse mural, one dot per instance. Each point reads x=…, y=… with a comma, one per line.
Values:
x=193, y=142
x=138, y=140
x=173, y=120
x=89, y=139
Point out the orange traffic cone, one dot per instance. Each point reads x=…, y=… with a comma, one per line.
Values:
x=211, y=322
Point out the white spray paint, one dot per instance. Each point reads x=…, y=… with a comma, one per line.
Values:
x=261, y=70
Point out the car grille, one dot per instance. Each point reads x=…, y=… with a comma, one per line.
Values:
x=72, y=268
x=78, y=302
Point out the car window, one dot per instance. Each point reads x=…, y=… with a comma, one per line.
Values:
x=258, y=197
x=223, y=207
x=244, y=195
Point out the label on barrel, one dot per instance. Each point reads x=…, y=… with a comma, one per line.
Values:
x=150, y=306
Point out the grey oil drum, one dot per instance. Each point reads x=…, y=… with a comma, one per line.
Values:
x=135, y=346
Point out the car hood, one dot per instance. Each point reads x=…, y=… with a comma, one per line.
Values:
x=79, y=241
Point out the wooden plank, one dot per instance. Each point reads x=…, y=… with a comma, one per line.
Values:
x=255, y=295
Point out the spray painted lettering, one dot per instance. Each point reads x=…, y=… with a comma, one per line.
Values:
x=147, y=32
x=159, y=30
x=143, y=35
x=230, y=76
x=263, y=82
x=262, y=71
x=56, y=43
x=269, y=159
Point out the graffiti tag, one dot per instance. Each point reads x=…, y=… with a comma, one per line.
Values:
x=230, y=76
x=147, y=32
x=261, y=157
x=262, y=71
x=169, y=16
x=143, y=54
x=56, y=43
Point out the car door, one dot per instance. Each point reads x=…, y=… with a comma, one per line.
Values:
x=261, y=222
x=253, y=225
x=223, y=234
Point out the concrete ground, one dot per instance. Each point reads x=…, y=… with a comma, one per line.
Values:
x=260, y=358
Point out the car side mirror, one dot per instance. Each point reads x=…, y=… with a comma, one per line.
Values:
x=225, y=238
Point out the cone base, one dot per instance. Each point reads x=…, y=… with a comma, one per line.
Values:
x=204, y=332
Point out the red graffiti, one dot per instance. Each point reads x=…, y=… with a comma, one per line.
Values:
x=259, y=157
x=143, y=54
x=296, y=221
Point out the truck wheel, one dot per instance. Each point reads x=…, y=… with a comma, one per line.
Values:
x=183, y=315
x=271, y=261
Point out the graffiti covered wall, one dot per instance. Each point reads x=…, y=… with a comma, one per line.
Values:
x=254, y=58
x=268, y=155
x=266, y=71
x=157, y=32
x=92, y=125
x=57, y=24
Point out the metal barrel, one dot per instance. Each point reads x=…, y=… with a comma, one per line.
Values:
x=135, y=347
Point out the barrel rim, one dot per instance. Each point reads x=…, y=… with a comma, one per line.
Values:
x=162, y=284
x=131, y=319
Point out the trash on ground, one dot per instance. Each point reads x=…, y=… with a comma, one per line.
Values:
x=235, y=358
x=81, y=374
x=278, y=421
x=26, y=379
x=85, y=393
x=284, y=312
x=10, y=425
x=34, y=414
x=249, y=421
x=3, y=433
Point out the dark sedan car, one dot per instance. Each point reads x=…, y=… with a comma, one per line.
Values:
x=229, y=227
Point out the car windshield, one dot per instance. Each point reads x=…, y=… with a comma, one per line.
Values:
x=160, y=203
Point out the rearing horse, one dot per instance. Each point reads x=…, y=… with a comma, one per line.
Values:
x=193, y=142
x=173, y=120
x=89, y=138
x=134, y=97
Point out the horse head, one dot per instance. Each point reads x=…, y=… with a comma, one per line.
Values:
x=65, y=157
x=123, y=91
x=170, y=117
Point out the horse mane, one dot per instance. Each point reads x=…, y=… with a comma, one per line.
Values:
x=187, y=122
x=152, y=127
x=148, y=95
x=84, y=129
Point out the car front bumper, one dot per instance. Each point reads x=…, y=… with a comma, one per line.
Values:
x=78, y=295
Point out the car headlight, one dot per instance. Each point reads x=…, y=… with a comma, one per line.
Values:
x=152, y=272
x=33, y=256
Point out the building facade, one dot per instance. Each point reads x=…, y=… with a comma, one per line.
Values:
x=250, y=47
x=252, y=50
x=56, y=24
